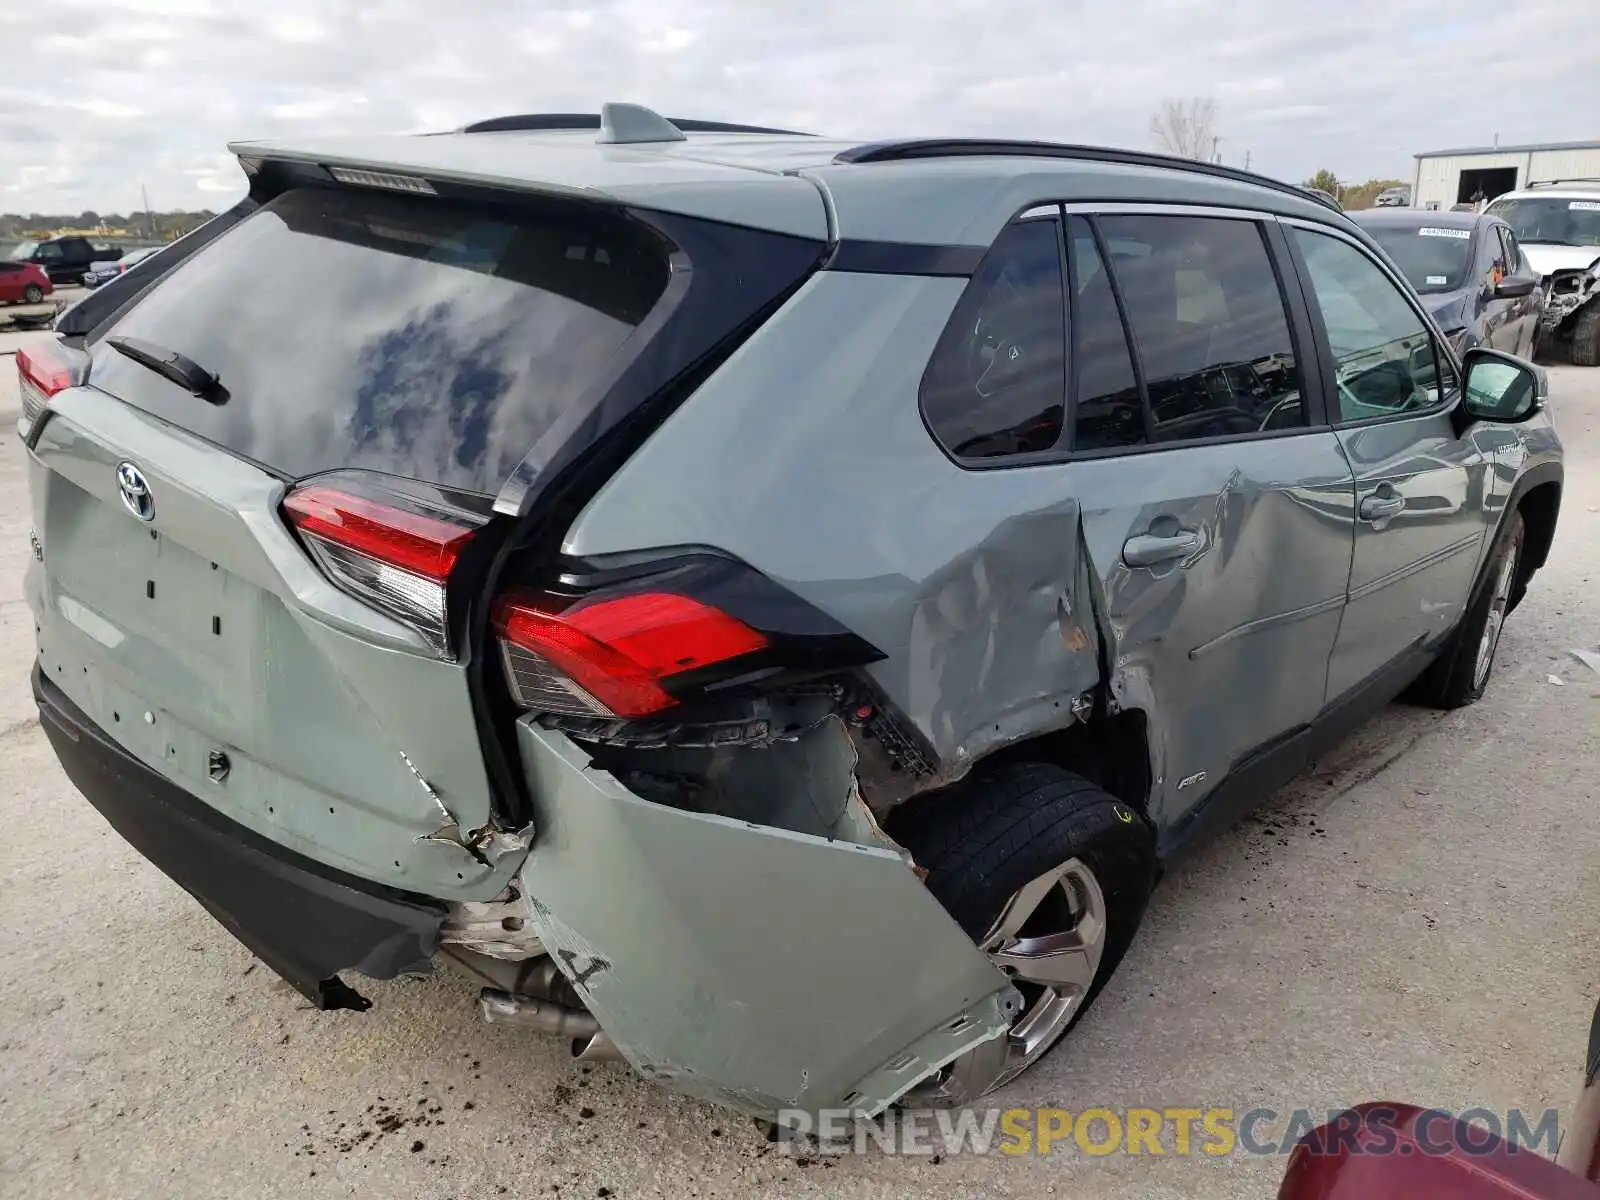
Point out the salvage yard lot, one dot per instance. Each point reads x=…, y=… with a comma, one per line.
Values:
x=1414, y=919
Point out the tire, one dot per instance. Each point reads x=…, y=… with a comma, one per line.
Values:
x=981, y=841
x=32, y=294
x=1586, y=337
x=1460, y=675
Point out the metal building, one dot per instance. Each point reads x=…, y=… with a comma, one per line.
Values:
x=1446, y=177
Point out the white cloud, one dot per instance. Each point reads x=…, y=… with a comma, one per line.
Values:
x=131, y=92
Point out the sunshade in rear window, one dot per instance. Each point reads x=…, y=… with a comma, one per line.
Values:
x=424, y=338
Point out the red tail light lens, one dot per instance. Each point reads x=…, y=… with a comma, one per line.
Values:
x=390, y=555
x=412, y=541
x=42, y=371
x=607, y=658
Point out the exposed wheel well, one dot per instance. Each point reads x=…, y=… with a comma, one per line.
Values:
x=1111, y=751
x=1538, y=508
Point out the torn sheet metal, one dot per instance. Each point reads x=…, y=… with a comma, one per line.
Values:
x=749, y=965
x=485, y=844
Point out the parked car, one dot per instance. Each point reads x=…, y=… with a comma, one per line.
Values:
x=23, y=283
x=1469, y=271
x=65, y=259
x=104, y=272
x=699, y=591
x=1395, y=197
x=1559, y=226
x=1380, y=1151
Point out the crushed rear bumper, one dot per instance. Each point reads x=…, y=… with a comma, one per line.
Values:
x=306, y=921
x=765, y=968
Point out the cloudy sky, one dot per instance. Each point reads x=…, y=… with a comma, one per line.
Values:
x=99, y=96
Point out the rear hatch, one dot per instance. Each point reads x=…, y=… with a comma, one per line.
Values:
x=254, y=519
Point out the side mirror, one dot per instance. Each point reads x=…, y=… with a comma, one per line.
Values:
x=1513, y=286
x=1501, y=387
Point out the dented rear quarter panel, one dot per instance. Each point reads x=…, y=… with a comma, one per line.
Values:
x=805, y=455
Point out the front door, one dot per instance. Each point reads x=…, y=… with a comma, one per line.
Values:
x=1420, y=488
x=1522, y=312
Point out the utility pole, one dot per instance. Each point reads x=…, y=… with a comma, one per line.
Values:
x=1215, y=142
x=1247, y=160
x=149, y=221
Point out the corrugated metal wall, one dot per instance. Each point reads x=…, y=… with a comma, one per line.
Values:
x=1562, y=164
x=1438, y=179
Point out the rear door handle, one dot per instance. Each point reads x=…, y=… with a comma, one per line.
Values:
x=1376, y=507
x=1148, y=549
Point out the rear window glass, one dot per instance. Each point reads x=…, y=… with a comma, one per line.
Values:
x=1431, y=257
x=423, y=338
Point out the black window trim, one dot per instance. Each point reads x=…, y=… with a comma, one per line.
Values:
x=1441, y=344
x=1305, y=332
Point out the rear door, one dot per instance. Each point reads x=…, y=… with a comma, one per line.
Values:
x=1216, y=501
x=1420, y=488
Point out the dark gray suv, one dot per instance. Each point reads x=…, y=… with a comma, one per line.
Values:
x=765, y=606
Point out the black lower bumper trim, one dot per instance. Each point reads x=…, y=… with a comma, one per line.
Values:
x=305, y=920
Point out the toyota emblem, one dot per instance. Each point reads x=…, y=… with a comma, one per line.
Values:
x=135, y=492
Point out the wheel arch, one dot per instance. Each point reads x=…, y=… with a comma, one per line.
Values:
x=1110, y=750
x=1538, y=501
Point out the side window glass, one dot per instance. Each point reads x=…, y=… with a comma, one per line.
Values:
x=1384, y=358
x=1513, y=252
x=996, y=385
x=1209, y=325
x=1498, y=269
x=49, y=251
x=1107, y=413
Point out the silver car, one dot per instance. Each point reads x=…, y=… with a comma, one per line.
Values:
x=767, y=607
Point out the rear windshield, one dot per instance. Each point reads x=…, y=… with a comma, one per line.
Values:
x=1433, y=258
x=422, y=338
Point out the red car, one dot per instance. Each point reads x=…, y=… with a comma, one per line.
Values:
x=1401, y=1152
x=23, y=283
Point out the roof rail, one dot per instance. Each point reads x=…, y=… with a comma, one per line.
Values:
x=1539, y=183
x=530, y=122
x=907, y=150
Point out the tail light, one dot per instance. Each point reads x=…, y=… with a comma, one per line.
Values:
x=614, y=657
x=44, y=370
x=394, y=553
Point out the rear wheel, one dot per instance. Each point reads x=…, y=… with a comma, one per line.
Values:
x=1586, y=337
x=1462, y=672
x=32, y=294
x=1049, y=875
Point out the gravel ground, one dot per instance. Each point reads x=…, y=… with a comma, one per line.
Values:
x=1414, y=919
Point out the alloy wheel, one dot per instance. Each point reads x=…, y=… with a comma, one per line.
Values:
x=1048, y=940
x=1494, y=622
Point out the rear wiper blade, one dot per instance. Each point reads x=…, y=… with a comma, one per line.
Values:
x=179, y=368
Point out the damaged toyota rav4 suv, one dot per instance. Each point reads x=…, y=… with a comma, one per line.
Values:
x=767, y=607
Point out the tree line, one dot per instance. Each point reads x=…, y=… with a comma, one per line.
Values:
x=157, y=226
